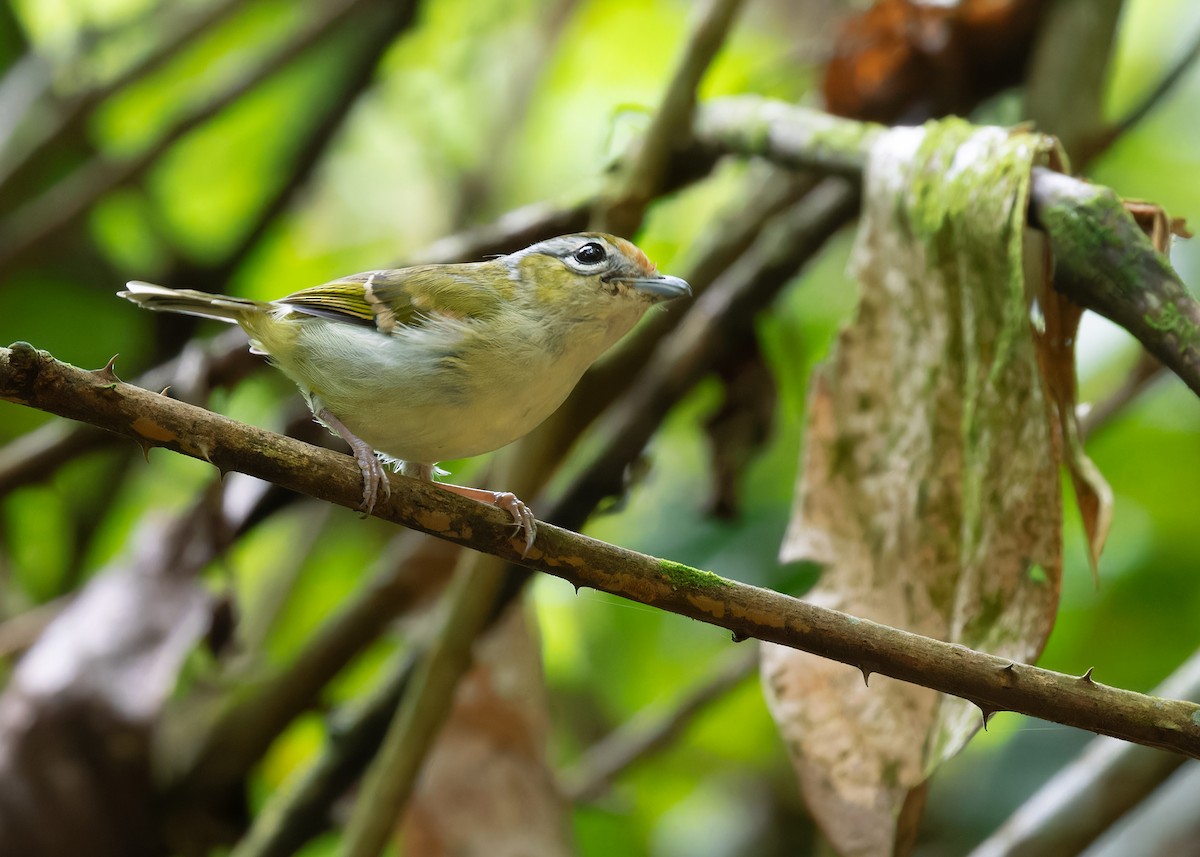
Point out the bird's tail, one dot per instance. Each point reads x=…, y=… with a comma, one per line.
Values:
x=189, y=302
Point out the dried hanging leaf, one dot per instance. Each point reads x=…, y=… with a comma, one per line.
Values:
x=487, y=787
x=1157, y=224
x=930, y=487
x=1056, y=355
x=1056, y=351
x=1161, y=229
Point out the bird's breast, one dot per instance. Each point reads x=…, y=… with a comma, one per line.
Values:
x=435, y=393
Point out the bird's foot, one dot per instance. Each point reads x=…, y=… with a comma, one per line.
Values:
x=523, y=518
x=375, y=477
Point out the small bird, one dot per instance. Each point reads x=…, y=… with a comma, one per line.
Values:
x=436, y=362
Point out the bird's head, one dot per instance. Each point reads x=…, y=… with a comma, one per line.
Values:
x=590, y=268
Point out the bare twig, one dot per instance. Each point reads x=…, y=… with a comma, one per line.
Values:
x=641, y=178
x=652, y=729
x=60, y=206
x=35, y=379
x=69, y=116
x=408, y=574
x=200, y=368
x=1144, y=374
x=1155, y=96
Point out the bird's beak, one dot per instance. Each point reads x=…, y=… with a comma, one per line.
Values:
x=662, y=288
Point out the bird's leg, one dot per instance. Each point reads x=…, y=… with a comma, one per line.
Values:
x=522, y=517
x=374, y=476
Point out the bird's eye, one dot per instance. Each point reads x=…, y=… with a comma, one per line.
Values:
x=590, y=254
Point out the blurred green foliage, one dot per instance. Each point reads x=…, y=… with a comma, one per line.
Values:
x=478, y=110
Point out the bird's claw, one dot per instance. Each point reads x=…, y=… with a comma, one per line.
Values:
x=522, y=515
x=375, y=479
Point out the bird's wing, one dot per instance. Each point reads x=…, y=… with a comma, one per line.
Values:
x=407, y=296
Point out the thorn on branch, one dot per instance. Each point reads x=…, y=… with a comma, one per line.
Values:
x=987, y=712
x=108, y=373
x=35, y=379
x=1087, y=676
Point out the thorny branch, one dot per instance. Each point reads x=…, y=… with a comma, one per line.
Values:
x=1091, y=793
x=828, y=155
x=34, y=378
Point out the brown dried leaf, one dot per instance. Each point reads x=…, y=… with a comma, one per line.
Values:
x=930, y=485
x=902, y=58
x=1056, y=355
x=1157, y=224
x=487, y=788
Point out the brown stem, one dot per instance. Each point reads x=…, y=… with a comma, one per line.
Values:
x=1104, y=262
x=641, y=177
x=36, y=379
